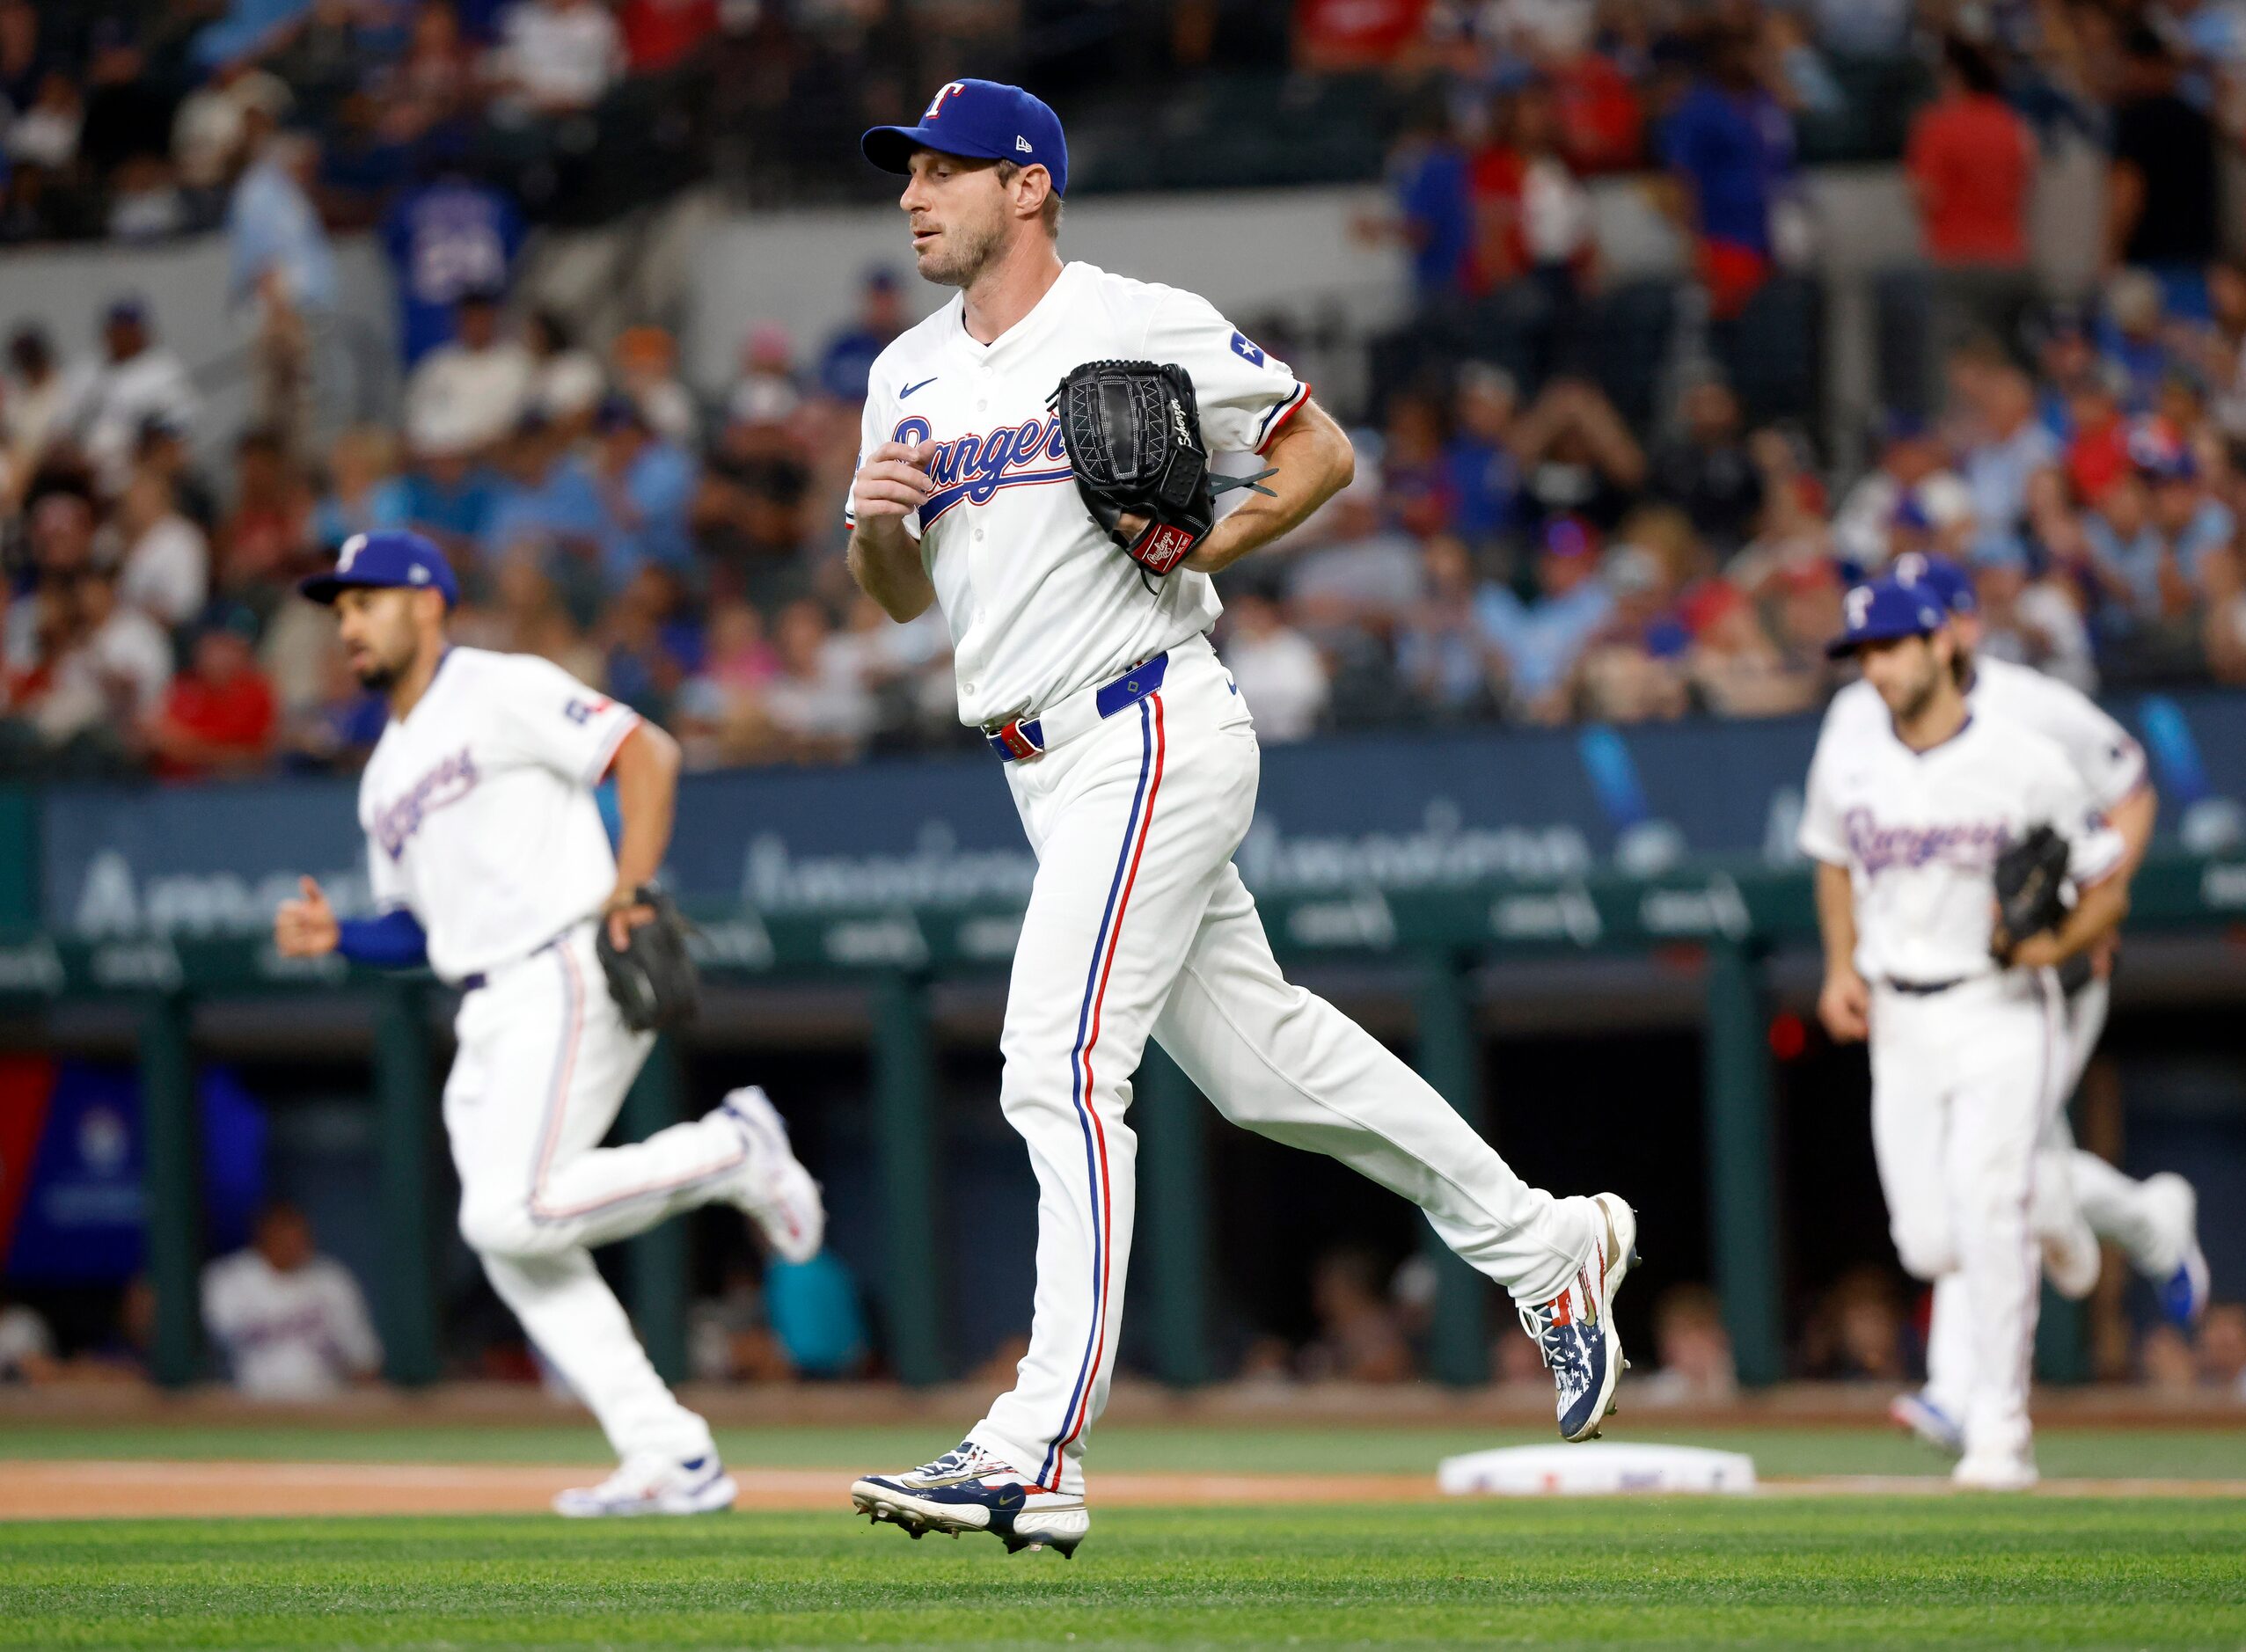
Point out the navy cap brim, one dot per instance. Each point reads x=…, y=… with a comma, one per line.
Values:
x=324, y=589
x=1841, y=647
x=891, y=147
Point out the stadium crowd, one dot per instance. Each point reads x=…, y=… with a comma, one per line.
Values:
x=1544, y=528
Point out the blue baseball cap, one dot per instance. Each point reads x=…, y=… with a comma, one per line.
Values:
x=1882, y=611
x=983, y=119
x=391, y=558
x=1939, y=577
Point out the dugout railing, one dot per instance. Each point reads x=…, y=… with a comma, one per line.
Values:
x=1734, y=916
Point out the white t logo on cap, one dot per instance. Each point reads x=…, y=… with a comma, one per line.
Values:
x=419, y=574
x=1859, y=607
x=352, y=546
x=936, y=103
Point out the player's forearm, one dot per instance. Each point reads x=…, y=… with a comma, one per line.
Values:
x=2131, y=820
x=2097, y=913
x=1314, y=462
x=888, y=569
x=647, y=796
x=1836, y=917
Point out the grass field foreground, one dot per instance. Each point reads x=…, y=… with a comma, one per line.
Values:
x=1903, y=1572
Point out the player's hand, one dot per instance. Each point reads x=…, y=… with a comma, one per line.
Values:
x=1845, y=1006
x=306, y=927
x=622, y=912
x=891, y=484
x=2037, y=952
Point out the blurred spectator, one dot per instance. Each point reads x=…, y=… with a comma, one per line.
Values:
x=728, y=1338
x=1360, y=1336
x=1485, y=480
x=566, y=382
x=220, y=716
x=1429, y=176
x=2222, y=1349
x=164, y=560
x=1576, y=456
x=126, y=138
x=32, y=406
x=1706, y=470
x=1972, y=169
x=1539, y=641
x=1735, y=666
x=1856, y=1330
x=1694, y=1350
x=1445, y=655
x=2163, y=192
x=112, y=673
x=559, y=56
x=284, y=268
x=817, y=709
x=268, y=531
x=45, y=133
x=447, y=237
x=2030, y=621
x=290, y=1324
x=1729, y=146
x=364, y=493
x=472, y=391
x=647, y=487
x=645, y=361
x=212, y=132
x=849, y=355
x=766, y=390
x=2170, y=1361
x=659, y=34
x=1531, y=215
x=1336, y=36
x=1282, y=679
x=2001, y=442
x=136, y=382
x=1911, y=485
x=26, y=1346
x=449, y=495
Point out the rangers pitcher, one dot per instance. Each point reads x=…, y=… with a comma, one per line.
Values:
x=1079, y=613
x=489, y=862
x=1907, y=823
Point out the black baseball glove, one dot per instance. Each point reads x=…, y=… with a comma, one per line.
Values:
x=1133, y=434
x=2031, y=877
x=654, y=980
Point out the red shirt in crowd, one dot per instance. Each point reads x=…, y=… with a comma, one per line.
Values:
x=1601, y=123
x=1345, y=34
x=1973, y=162
x=659, y=33
x=237, y=715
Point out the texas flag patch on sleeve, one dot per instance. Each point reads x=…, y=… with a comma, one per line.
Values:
x=1246, y=348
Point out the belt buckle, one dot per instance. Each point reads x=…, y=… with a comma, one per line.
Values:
x=1019, y=747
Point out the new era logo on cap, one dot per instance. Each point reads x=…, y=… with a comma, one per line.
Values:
x=1022, y=143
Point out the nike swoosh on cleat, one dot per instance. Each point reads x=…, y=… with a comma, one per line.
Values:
x=923, y=384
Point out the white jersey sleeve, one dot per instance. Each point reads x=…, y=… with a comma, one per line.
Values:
x=1819, y=834
x=551, y=717
x=1245, y=395
x=2107, y=758
x=2095, y=849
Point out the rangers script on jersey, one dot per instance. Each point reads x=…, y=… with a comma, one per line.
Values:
x=1039, y=602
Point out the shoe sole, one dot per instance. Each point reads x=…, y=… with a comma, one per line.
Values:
x=1062, y=1529
x=1913, y=1423
x=1620, y=1252
x=715, y=1498
x=794, y=1218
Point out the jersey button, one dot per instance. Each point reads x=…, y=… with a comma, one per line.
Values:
x=978, y=533
x=981, y=405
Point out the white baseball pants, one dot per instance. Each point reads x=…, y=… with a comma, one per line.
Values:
x=1138, y=925
x=1961, y=1081
x=545, y=1061
x=2068, y=1182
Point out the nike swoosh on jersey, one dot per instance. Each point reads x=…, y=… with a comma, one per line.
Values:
x=923, y=384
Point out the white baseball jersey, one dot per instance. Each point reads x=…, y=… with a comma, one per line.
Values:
x=2107, y=760
x=298, y=1335
x=479, y=808
x=1920, y=831
x=1039, y=602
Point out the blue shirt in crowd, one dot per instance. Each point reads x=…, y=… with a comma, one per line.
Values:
x=1736, y=150
x=446, y=238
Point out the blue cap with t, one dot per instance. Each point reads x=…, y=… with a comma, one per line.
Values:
x=1938, y=577
x=391, y=558
x=1882, y=611
x=985, y=120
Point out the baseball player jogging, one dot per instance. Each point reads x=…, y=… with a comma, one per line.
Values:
x=1035, y=463
x=489, y=860
x=1947, y=837
x=2080, y=1198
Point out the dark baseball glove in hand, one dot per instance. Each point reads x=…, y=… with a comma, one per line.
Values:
x=1133, y=432
x=2031, y=877
x=653, y=980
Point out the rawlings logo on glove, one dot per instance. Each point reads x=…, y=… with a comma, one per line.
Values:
x=1132, y=430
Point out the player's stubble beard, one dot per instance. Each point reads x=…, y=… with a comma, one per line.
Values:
x=965, y=252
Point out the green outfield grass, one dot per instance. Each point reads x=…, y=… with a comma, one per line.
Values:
x=2103, y=1453
x=1852, y=1572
